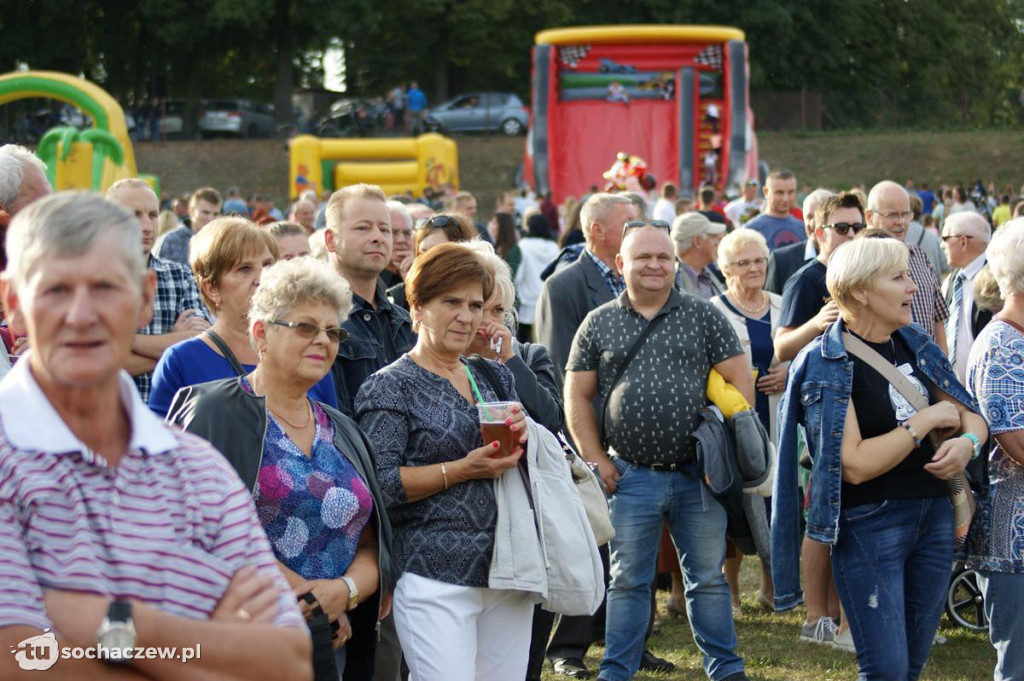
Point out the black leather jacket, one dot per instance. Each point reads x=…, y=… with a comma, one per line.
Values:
x=234, y=421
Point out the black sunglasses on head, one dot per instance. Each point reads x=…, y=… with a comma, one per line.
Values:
x=845, y=227
x=436, y=221
x=637, y=224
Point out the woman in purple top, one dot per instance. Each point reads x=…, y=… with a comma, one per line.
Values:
x=227, y=257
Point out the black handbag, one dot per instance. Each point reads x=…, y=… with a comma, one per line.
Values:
x=322, y=632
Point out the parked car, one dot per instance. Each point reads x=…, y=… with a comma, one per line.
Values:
x=352, y=117
x=237, y=118
x=480, y=112
x=172, y=123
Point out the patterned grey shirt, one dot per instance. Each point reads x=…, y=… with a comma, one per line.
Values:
x=413, y=417
x=652, y=411
x=173, y=245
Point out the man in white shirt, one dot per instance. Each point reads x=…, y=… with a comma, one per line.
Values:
x=665, y=206
x=747, y=206
x=965, y=237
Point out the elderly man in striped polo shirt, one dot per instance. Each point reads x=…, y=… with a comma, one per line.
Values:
x=115, y=531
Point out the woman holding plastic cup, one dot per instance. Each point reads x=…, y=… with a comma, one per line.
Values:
x=420, y=413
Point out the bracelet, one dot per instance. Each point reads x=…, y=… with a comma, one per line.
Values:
x=975, y=442
x=444, y=475
x=913, y=433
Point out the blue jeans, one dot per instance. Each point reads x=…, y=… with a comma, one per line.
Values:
x=1004, y=601
x=696, y=521
x=892, y=565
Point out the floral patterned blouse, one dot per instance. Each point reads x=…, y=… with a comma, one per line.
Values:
x=995, y=376
x=313, y=508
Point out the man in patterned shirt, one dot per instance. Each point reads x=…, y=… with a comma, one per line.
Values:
x=889, y=209
x=645, y=454
x=178, y=313
x=115, y=530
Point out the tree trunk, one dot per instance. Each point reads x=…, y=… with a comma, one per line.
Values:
x=285, y=82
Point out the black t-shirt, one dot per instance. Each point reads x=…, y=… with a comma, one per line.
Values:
x=804, y=295
x=880, y=408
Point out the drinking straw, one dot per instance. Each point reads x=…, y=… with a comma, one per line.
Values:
x=476, y=391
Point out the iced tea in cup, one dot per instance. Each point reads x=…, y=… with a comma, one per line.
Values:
x=492, y=425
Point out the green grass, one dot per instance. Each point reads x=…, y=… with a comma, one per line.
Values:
x=769, y=643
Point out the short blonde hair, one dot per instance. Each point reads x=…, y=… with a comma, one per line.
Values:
x=289, y=283
x=335, y=210
x=734, y=242
x=858, y=264
x=221, y=245
x=318, y=246
x=502, y=277
x=1005, y=256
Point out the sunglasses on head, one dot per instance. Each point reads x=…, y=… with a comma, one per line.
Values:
x=436, y=221
x=637, y=224
x=845, y=227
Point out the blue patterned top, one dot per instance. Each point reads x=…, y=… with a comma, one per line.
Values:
x=313, y=508
x=995, y=376
x=413, y=417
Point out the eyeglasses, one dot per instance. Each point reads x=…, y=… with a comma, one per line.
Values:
x=637, y=224
x=895, y=215
x=309, y=331
x=845, y=227
x=955, y=236
x=751, y=183
x=745, y=264
x=436, y=221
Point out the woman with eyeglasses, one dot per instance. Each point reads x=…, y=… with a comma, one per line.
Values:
x=438, y=229
x=754, y=314
x=308, y=466
x=227, y=258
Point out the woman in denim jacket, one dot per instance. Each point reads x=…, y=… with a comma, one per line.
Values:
x=877, y=491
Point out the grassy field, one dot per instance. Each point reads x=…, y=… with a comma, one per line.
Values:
x=769, y=644
x=488, y=164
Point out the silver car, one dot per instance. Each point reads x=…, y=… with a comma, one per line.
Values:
x=237, y=118
x=480, y=112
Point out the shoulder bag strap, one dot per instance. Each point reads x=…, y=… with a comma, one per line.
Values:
x=860, y=349
x=630, y=355
x=226, y=351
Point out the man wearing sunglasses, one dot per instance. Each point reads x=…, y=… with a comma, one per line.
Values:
x=965, y=238
x=807, y=307
x=889, y=209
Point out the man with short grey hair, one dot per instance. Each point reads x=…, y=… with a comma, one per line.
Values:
x=785, y=261
x=696, y=240
x=889, y=209
x=965, y=238
x=22, y=180
x=401, y=250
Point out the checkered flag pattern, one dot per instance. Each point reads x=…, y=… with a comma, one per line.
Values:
x=711, y=56
x=570, y=55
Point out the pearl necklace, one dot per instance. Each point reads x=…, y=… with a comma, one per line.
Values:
x=754, y=311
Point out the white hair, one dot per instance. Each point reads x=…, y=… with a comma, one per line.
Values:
x=1005, y=256
x=502, y=275
x=599, y=207
x=969, y=224
x=289, y=283
x=878, y=189
x=68, y=224
x=13, y=160
x=400, y=208
x=734, y=242
x=814, y=200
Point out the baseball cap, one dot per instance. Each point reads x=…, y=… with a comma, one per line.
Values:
x=693, y=224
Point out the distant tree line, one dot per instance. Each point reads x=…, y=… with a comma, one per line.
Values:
x=875, y=62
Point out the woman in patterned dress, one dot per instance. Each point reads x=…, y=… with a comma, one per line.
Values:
x=995, y=376
x=308, y=466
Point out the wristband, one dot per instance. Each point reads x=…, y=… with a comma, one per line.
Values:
x=975, y=442
x=913, y=433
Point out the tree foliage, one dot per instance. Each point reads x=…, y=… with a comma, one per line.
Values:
x=883, y=62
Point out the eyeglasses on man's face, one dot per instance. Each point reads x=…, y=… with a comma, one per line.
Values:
x=946, y=238
x=893, y=216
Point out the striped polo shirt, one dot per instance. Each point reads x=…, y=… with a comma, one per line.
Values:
x=169, y=525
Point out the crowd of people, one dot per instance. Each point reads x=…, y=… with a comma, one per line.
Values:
x=261, y=430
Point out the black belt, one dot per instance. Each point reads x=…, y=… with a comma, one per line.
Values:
x=676, y=466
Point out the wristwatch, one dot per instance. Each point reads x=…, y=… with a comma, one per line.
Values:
x=975, y=442
x=117, y=630
x=353, y=593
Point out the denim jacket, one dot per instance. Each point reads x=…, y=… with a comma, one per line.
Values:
x=817, y=395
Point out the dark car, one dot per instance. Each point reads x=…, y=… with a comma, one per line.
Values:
x=237, y=118
x=480, y=112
